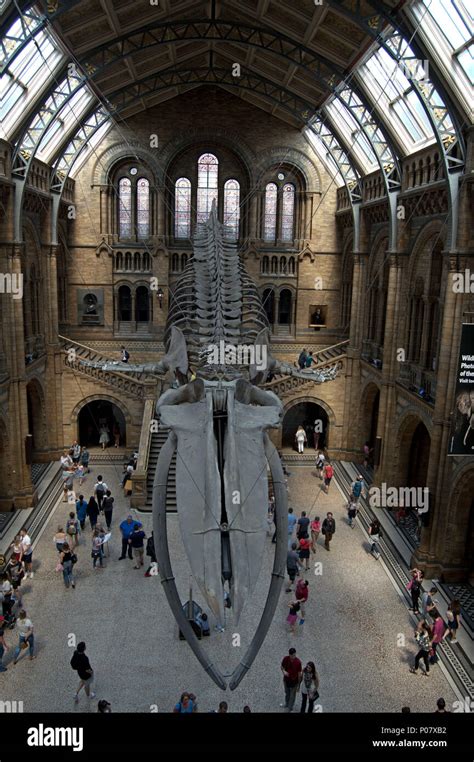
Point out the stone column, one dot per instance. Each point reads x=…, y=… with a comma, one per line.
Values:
x=160, y=208
x=252, y=231
x=104, y=210
x=52, y=328
x=439, y=467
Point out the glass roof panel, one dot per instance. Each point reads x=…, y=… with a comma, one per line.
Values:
x=352, y=132
x=68, y=115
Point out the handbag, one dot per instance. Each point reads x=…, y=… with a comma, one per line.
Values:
x=24, y=644
x=59, y=567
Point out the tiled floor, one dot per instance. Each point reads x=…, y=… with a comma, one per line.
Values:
x=357, y=630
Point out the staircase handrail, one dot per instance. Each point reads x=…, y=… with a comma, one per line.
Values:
x=145, y=436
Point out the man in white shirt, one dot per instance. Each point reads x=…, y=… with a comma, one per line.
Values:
x=100, y=488
x=27, y=552
x=66, y=461
x=24, y=628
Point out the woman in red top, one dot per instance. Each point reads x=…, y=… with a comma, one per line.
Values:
x=304, y=546
x=328, y=474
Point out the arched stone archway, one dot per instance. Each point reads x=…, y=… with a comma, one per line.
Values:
x=369, y=411
x=305, y=411
x=411, y=453
x=97, y=412
x=458, y=544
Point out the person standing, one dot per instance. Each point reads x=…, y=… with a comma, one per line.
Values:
x=108, y=507
x=302, y=359
x=185, y=705
x=309, y=688
x=358, y=488
x=423, y=637
x=292, y=676
x=100, y=490
x=126, y=527
x=24, y=628
x=301, y=595
x=15, y=573
x=440, y=630
x=315, y=530
x=81, y=664
x=104, y=436
x=352, y=511
x=301, y=438
x=136, y=541
x=453, y=615
x=3, y=644
x=72, y=529
x=125, y=354
x=97, y=549
x=26, y=552
x=291, y=566
x=93, y=511
x=328, y=529
x=302, y=526
x=414, y=588
x=328, y=472
x=76, y=452
x=60, y=538
x=427, y=603
x=85, y=457
x=81, y=511
x=66, y=559
x=316, y=433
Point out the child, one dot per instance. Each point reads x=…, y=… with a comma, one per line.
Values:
x=293, y=615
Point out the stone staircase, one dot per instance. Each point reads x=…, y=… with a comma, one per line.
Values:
x=286, y=385
x=131, y=383
x=157, y=441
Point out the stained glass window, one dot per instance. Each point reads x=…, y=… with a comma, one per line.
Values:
x=125, y=208
x=207, y=185
x=143, y=208
x=182, y=208
x=287, y=212
x=232, y=206
x=270, y=221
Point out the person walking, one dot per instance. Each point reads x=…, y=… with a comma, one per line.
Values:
x=291, y=525
x=304, y=547
x=291, y=566
x=26, y=552
x=72, y=529
x=24, y=627
x=320, y=461
x=76, y=452
x=126, y=528
x=136, y=541
x=93, y=511
x=152, y=570
x=302, y=526
x=16, y=572
x=351, y=511
x=85, y=458
x=453, y=615
x=108, y=507
x=100, y=490
x=81, y=664
x=414, y=588
x=300, y=438
x=3, y=644
x=66, y=559
x=125, y=354
x=358, y=488
x=104, y=436
x=293, y=615
x=328, y=529
x=301, y=595
x=81, y=511
x=309, y=688
x=292, y=676
x=315, y=530
x=328, y=473
x=423, y=637
x=375, y=532
x=97, y=553
x=186, y=705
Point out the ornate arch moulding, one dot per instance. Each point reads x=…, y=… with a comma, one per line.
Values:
x=96, y=397
x=105, y=162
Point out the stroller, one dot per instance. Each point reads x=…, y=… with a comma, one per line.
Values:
x=8, y=604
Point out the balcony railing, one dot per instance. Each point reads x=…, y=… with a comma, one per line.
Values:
x=372, y=353
x=418, y=380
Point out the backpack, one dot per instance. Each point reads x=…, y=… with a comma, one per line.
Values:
x=100, y=489
x=356, y=488
x=73, y=661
